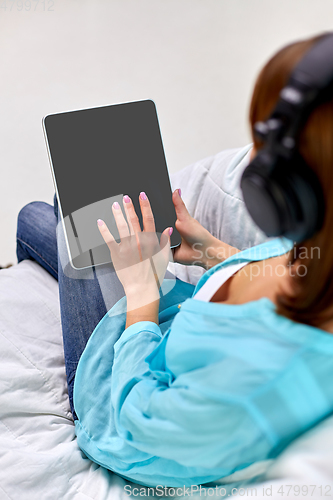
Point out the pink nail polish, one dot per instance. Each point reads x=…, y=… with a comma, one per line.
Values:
x=116, y=205
x=100, y=222
x=143, y=195
x=179, y=191
x=170, y=231
x=127, y=199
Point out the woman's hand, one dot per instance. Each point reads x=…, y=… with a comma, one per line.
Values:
x=195, y=238
x=140, y=260
x=198, y=246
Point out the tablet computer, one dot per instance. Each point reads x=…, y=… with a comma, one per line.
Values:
x=98, y=155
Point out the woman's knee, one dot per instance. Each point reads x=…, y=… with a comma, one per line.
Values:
x=28, y=213
x=34, y=215
x=30, y=208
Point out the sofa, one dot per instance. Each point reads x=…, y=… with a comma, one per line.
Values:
x=39, y=456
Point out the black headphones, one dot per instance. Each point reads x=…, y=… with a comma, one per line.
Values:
x=281, y=192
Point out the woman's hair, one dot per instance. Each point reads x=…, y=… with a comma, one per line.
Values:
x=311, y=301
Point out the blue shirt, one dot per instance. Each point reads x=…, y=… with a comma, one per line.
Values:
x=212, y=389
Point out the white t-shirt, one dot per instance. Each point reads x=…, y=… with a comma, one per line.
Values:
x=215, y=281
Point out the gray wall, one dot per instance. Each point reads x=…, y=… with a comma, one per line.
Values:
x=197, y=59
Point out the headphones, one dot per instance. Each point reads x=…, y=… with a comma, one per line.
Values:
x=281, y=192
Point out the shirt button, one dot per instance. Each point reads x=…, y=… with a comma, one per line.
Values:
x=179, y=306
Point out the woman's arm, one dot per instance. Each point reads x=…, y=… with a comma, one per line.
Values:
x=217, y=251
x=142, y=305
x=188, y=420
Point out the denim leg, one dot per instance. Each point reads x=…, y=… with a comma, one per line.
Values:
x=85, y=295
x=36, y=236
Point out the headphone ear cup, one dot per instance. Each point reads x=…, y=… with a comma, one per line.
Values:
x=306, y=199
x=264, y=198
x=286, y=201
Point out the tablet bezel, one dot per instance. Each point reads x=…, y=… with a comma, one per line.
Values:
x=71, y=259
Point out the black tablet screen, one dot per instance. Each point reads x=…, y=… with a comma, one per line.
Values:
x=98, y=155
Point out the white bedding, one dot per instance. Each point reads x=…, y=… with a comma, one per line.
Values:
x=39, y=457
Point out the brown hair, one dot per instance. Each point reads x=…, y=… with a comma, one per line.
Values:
x=312, y=299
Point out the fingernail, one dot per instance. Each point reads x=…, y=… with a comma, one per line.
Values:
x=170, y=231
x=100, y=222
x=143, y=195
x=127, y=199
x=179, y=192
x=116, y=205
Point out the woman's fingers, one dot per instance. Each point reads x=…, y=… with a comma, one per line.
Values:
x=132, y=226
x=106, y=235
x=180, y=207
x=165, y=243
x=122, y=226
x=147, y=214
x=132, y=218
x=162, y=258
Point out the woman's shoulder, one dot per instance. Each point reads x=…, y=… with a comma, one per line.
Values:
x=270, y=248
x=253, y=318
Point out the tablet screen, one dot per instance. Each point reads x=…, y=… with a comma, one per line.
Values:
x=97, y=156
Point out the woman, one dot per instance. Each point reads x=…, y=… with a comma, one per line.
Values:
x=190, y=387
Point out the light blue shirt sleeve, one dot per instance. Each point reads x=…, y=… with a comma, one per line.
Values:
x=163, y=417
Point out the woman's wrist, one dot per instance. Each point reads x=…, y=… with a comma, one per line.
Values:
x=142, y=305
x=216, y=252
x=142, y=294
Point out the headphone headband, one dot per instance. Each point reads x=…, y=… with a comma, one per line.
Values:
x=279, y=189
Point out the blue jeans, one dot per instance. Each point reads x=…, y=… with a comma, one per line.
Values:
x=86, y=295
